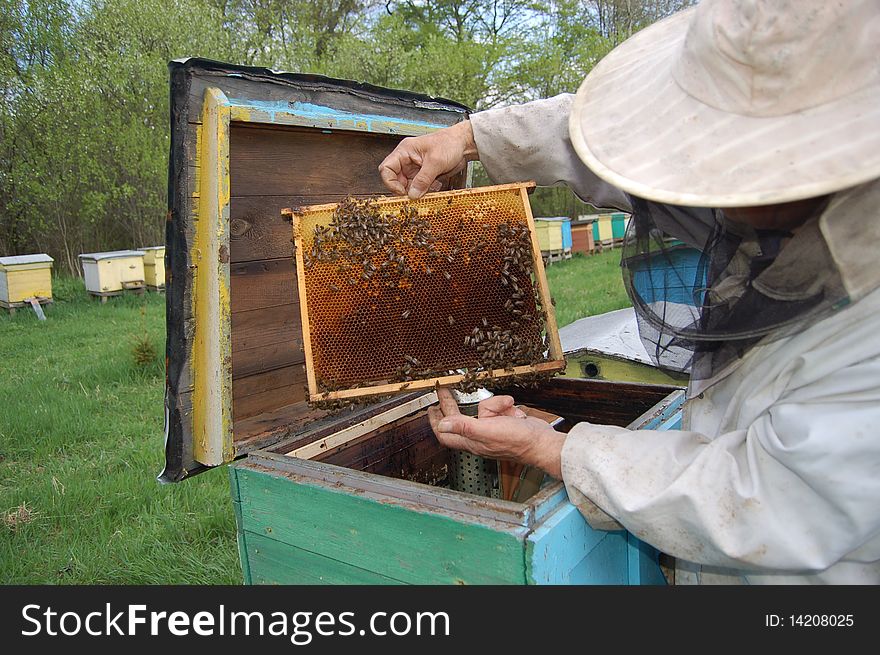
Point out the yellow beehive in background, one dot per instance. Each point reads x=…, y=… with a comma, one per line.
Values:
x=605, y=231
x=23, y=277
x=108, y=273
x=549, y=234
x=154, y=266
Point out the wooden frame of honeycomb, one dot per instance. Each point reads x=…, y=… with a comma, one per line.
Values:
x=399, y=295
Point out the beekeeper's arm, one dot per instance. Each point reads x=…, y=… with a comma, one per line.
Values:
x=522, y=142
x=514, y=144
x=796, y=490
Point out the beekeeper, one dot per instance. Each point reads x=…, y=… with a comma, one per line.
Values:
x=751, y=130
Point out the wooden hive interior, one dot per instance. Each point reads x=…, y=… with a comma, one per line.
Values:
x=406, y=448
x=273, y=167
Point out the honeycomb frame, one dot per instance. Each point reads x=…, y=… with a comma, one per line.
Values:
x=366, y=327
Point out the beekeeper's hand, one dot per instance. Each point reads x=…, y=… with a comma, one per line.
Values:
x=499, y=435
x=425, y=163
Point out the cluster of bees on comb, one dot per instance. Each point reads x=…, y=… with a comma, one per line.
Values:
x=430, y=293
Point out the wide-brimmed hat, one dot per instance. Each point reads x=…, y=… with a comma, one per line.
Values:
x=738, y=103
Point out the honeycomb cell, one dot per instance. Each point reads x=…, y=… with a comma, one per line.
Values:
x=399, y=290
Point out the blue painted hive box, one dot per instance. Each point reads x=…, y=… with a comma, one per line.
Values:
x=362, y=495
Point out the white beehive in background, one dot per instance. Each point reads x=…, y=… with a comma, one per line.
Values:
x=108, y=273
x=154, y=266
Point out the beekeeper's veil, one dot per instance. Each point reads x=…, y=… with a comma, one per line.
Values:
x=733, y=104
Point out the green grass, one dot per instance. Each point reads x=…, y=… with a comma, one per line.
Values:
x=81, y=442
x=587, y=285
x=80, y=446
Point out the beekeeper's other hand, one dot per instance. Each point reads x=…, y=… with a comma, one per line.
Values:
x=526, y=440
x=425, y=163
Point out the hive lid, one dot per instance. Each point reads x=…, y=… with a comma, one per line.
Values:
x=145, y=248
x=17, y=260
x=115, y=254
x=614, y=333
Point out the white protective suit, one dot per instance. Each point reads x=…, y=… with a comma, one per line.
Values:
x=776, y=476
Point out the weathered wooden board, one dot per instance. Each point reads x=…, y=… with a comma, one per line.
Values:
x=558, y=546
x=404, y=449
x=277, y=126
x=275, y=562
x=614, y=403
x=269, y=391
x=263, y=283
x=289, y=161
x=262, y=340
x=606, y=564
x=291, y=90
x=267, y=163
x=258, y=231
x=396, y=540
x=265, y=359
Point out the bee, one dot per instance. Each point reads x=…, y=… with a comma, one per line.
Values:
x=447, y=275
x=412, y=360
x=334, y=287
x=428, y=270
x=406, y=314
x=450, y=320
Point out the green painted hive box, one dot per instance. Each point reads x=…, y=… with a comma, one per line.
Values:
x=360, y=496
x=377, y=510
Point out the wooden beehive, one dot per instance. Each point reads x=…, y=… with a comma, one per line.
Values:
x=549, y=233
x=418, y=291
x=108, y=273
x=154, y=266
x=607, y=347
x=23, y=277
x=360, y=495
x=368, y=504
x=582, y=238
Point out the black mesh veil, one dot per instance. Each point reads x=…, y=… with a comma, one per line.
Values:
x=706, y=288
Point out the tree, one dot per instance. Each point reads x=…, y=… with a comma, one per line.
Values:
x=85, y=123
x=84, y=128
